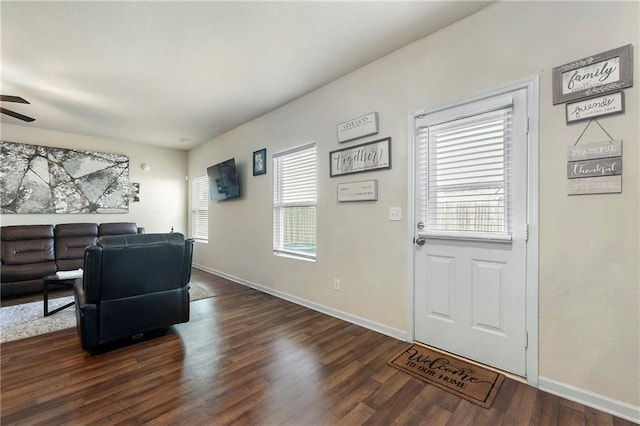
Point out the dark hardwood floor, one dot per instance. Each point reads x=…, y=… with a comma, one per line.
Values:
x=248, y=358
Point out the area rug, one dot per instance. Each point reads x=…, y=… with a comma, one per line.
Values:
x=27, y=320
x=468, y=381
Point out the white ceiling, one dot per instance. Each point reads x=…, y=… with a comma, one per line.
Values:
x=160, y=72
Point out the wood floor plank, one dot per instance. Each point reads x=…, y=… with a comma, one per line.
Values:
x=349, y=398
x=359, y=415
x=391, y=387
x=416, y=411
x=393, y=408
x=571, y=417
x=521, y=406
x=248, y=358
x=465, y=414
x=436, y=416
x=597, y=418
x=546, y=410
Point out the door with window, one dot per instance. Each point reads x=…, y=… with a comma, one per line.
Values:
x=470, y=230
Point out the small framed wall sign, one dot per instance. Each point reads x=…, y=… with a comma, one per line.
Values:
x=599, y=106
x=358, y=127
x=366, y=190
x=594, y=75
x=361, y=158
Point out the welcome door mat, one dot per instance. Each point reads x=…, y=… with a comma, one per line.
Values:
x=468, y=381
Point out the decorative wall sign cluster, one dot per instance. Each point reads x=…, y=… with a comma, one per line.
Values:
x=366, y=157
x=46, y=180
x=592, y=87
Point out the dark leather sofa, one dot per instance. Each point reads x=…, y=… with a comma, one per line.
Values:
x=132, y=284
x=31, y=252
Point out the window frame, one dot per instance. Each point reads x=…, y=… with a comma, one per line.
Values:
x=199, y=204
x=280, y=205
x=426, y=121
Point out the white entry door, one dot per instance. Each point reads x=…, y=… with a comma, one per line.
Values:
x=470, y=231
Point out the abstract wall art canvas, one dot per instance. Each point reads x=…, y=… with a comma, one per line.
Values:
x=48, y=180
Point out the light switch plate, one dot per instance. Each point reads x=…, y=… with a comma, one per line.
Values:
x=395, y=213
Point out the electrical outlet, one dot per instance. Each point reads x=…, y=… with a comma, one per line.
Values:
x=336, y=284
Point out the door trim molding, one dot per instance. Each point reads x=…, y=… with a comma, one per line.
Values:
x=531, y=85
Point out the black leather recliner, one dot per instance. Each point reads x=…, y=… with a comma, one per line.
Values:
x=132, y=284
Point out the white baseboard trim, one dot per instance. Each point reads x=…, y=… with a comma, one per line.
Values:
x=617, y=408
x=345, y=316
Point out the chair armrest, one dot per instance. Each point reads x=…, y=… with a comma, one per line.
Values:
x=92, y=274
x=187, y=261
x=78, y=292
x=86, y=317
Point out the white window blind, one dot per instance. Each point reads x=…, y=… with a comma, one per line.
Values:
x=294, y=202
x=200, y=208
x=464, y=170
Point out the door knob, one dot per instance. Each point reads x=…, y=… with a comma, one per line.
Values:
x=420, y=241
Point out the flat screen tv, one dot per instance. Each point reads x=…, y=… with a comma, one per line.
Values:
x=223, y=181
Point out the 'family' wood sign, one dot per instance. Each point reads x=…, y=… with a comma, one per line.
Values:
x=605, y=72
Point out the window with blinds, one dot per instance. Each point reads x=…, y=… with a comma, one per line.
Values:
x=464, y=169
x=294, y=202
x=200, y=208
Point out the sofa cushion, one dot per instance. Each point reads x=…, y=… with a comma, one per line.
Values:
x=27, y=244
x=117, y=228
x=68, y=230
x=17, y=288
x=34, y=271
x=71, y=240
x=26, y=232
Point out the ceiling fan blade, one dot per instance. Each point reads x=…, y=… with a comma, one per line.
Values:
x=8, y=98
x=16, y=115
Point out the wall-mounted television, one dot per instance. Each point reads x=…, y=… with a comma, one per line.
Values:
x=223, y=181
